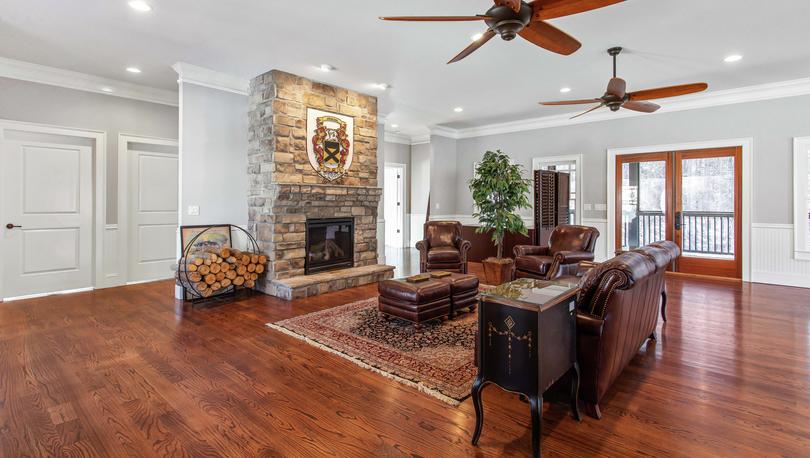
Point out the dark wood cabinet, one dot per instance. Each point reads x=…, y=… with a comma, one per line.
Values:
x=527, y=341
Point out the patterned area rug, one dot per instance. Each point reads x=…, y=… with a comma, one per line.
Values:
x=437, y=360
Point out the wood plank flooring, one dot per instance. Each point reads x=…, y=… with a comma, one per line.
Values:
x=130, y=372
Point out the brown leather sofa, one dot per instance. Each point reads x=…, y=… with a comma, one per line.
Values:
x=568, y=246
x=443, y=248
x=618, y=311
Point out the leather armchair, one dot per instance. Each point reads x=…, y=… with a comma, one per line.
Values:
x=568, y=246
x=443, y=248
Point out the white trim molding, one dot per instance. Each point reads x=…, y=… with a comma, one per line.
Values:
x=747, y=145
x=205, y=77
x=52, y=76
x=395, y=137
x=745, y=94
x=801, y=200
x=772, y=257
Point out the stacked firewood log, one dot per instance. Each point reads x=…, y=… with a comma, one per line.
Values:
x=210, y=271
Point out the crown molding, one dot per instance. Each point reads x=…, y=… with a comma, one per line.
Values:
x=420, y=139
x=205, y=77
x=394, y=137
x=746, y=94
x=52, y=76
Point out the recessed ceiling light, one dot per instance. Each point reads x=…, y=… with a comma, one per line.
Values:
x=476, y=37
x=733, y=58
x=107, y=89
x=458, y=109
x=565, y=89
x=394, y=126
x=381, y=86
x=133, y=69
x=326, y=67
x=140, y=5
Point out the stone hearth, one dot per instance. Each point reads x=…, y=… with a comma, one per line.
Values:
x=285, y=190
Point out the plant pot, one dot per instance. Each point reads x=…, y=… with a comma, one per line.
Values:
x=498, y=271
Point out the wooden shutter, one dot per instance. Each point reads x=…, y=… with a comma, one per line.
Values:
x=563, y=198
x=545, y=203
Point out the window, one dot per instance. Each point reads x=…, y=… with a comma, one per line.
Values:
x=567, y=164
x=801, y=197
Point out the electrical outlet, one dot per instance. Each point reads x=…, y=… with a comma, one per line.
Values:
x=194, y=210
x=588, y=207
x=437, y=205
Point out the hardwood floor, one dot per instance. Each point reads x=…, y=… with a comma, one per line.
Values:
x=128, y=371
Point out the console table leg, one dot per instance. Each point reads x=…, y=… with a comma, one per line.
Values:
x=664, y=305
x=575, y=393
x=536, y=403
x=477, y=387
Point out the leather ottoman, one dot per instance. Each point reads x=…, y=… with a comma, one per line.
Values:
x=415, y=302
x=463, y=291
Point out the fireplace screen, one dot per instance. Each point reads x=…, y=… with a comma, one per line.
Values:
x=330, y=244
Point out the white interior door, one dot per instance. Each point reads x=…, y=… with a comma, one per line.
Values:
x=47, y=217
x=152, y=233
x=394, y=206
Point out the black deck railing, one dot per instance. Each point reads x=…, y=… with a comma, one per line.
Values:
x=702, y=232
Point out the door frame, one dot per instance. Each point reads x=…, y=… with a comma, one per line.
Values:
x=99, y=186
x=405, y=223
x=577, y=160
x=123, y=195
x=747, y=146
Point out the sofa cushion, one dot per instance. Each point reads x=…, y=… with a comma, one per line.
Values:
x=570, y=238
x=535, y=264
x=443, y=254
x=442, y=233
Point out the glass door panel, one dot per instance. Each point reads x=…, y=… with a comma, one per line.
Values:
x=643, y=196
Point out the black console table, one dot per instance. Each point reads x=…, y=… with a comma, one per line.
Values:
x=527, y=341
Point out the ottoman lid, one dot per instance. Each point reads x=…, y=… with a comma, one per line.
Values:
x=426, y=291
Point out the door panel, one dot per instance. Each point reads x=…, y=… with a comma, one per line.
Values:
x=644, y=199
x=47, y=189
x=707, y=227
x=153, y=183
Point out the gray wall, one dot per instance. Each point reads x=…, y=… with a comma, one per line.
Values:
x=772, y=124
x=400, y=154
x=443, y=175
x=213, y=156
x=43, y=104
x=420, y=178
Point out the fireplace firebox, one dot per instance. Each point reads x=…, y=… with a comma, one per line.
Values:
x=329, y=244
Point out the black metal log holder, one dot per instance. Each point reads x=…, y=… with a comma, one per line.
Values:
x=190, y=292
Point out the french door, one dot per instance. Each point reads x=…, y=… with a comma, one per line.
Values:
x=693, y=198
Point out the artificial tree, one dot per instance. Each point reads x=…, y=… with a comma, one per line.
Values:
x=499, y=191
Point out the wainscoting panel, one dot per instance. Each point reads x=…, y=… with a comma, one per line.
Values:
x=772, y=259
x=113, y=269
x=602, y=252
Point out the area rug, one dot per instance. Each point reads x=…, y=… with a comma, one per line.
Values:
x=437, y=360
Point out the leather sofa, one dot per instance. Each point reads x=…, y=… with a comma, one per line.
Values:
x=617, y=312
x=568, y=246
x=443, y=248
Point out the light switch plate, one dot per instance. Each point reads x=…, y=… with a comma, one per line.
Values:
x=600, y=207
x=194, y=210
x=588, y=207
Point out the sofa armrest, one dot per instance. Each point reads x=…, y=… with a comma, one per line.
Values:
x=589, y=325
x=573, y=257
x=463, y=247
x=530, y=250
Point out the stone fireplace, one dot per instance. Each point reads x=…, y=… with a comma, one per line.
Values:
x=287, y=196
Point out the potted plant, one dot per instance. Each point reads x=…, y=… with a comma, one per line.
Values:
x=499, y=190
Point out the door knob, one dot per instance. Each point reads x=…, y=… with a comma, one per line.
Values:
x=11, y=226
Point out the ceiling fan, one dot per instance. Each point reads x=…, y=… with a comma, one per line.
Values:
x=509, y=18
x=617, y=97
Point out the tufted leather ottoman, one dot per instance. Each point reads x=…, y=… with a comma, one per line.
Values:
x=463, y=291
x=415, y=302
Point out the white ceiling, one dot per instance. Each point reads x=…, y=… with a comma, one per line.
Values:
x=666, y=41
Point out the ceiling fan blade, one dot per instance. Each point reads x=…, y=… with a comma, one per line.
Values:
x=549, y=37
x=435, y=18
x=617, y=87
x=514, y=5
x=550, y=9
x=485, y=37
x=586, y=112
x=571, y=102
x=671, y=91
x=644, y=107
